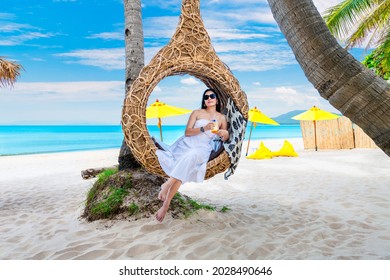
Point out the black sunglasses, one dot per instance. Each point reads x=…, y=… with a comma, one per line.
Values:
x=212, y=96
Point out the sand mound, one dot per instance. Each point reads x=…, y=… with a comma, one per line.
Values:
x=132, y=195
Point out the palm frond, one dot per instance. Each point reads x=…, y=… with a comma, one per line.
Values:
x=374, y=23
x=343, y=18
x=385, y=46
x=9, y=72
x=373, y=40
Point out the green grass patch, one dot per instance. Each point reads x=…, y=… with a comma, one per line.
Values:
x=111, y=204
x=191, y=206
x=224, y=209
x=133, y=209
x=103, y=176
x=106, y=197
x=198, y=206
x=91, y=194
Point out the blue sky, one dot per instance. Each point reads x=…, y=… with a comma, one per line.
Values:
x=73, y=55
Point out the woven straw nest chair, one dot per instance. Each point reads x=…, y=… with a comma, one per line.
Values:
x=188, y=52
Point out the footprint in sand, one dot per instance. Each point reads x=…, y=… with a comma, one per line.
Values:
x=67, y=256
x=41, y=256
x=193, y=239
x=336, y=226
x=78, y=248
x=152, y=228
x=94, y=255
x=140, y=249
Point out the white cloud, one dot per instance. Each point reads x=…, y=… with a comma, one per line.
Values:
x=239, y=56
x=166, y=26
x=285, y=90
x=246, y=56
x=189, y=81
x=109, y=59
x=21, y=39
x=274, y=101
x=8, y=27
x=234, y=34
x=7, y=16
x=246, y=14
x=92, y=102
x=37, y=59
x=107, y=36
x=14, y=34
x=254, y=56
x=289, y=95
x=71, y=91
x=256, y=84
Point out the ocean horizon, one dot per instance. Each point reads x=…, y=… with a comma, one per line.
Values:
x=35, y=139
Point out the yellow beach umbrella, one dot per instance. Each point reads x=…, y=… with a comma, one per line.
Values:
x=161, y=110
x=315, y=114
x=256, y=116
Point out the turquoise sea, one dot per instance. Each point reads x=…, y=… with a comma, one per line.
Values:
x=33, y=139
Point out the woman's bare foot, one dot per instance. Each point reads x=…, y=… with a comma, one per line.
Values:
x=160, y=215
x=164, y=190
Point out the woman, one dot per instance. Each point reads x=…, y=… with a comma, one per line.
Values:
x=186, y=160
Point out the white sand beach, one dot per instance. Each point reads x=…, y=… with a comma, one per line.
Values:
x=320, y=205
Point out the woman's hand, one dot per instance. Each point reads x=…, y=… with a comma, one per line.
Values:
x=224, y=134
x=208, y=126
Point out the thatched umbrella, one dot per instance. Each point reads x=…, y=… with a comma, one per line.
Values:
x=9, y=72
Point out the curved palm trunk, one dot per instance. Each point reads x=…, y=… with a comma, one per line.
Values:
x=134, y=41
x=348, y=86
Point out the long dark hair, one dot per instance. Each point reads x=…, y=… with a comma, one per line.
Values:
x=218, y=106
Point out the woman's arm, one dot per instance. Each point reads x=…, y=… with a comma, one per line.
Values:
x=223, y=132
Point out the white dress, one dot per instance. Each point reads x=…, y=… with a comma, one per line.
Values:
x=186, y=159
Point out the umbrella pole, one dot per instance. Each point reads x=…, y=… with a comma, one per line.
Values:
x=315, y=135
x=249, y=140
x=159, y=122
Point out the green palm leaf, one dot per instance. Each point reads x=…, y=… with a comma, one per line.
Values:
x=371, y=25
x=385, y=47
x=358, y=22
x=342, y=18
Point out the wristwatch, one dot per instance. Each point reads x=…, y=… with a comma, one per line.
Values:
x=201, y=129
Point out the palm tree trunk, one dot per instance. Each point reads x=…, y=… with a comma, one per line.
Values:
x=339, y=78
x=134, y=45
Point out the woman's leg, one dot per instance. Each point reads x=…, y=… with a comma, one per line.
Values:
x=160, y=215
x=164, y=188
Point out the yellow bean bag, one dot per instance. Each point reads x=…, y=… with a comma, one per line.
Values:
x=286, y=151
x=261, y=153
